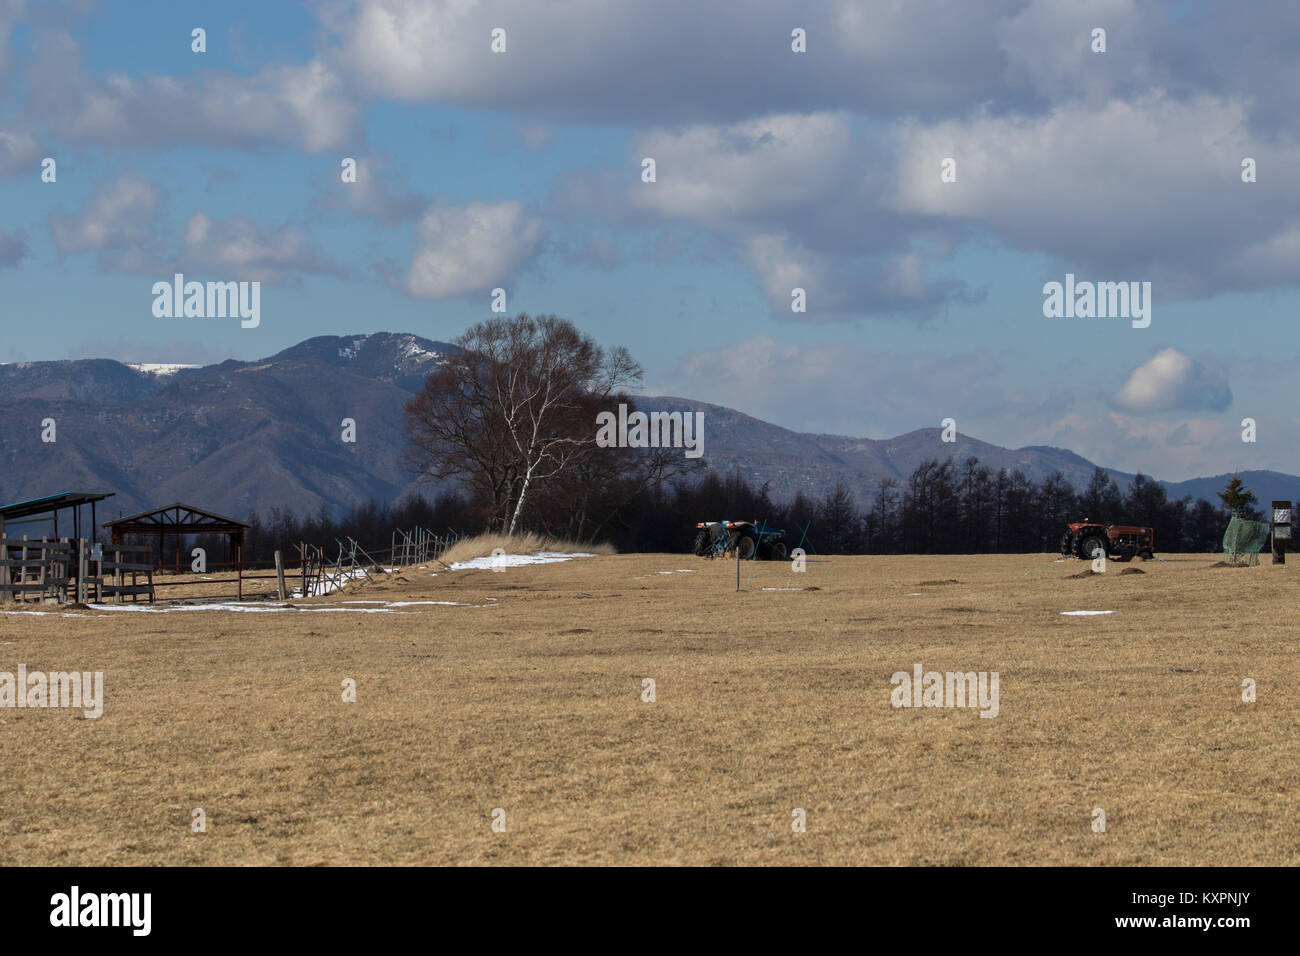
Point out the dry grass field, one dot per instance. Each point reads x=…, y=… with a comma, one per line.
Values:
x=526, y=695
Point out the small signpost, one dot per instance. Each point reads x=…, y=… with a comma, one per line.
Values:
x=1281, y=530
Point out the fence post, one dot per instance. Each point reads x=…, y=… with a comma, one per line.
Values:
x=83, y=566
x=279, y=575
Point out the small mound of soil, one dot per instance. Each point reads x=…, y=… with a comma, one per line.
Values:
x=931, y=584
x=1132, y=571
x=1225, y=564
x=1085, y=573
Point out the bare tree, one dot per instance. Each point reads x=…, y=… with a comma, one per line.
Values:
x=514, y=408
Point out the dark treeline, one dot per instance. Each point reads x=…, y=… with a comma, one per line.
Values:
x=943, y=507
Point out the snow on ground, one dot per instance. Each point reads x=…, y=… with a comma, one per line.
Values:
x=493, y=561
x=337, y=581
x=157, y=369
x=638, y=577
x=265, y=607
x=1080, y=613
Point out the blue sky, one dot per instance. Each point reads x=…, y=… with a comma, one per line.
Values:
x=775, y=169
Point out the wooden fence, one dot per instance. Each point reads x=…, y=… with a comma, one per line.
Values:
x=65, y=570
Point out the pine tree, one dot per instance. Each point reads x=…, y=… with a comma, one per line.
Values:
x=1237, y=498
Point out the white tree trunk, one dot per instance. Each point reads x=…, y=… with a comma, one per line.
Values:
x=519, y=505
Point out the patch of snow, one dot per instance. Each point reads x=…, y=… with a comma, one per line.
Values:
x=1080, y=613
x=152, y=368
x=269, y=607
x=413, y=349
x=488, y=562
x=250, y=607
x=329, y=587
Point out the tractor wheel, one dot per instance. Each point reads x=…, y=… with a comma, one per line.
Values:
x=703, y=543
x=746, y=545
x=1067, y=544
x=777, y=551
x=1088, y=547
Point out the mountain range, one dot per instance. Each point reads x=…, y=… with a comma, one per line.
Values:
x=242, y=436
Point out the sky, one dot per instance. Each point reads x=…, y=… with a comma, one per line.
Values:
x=775, y=168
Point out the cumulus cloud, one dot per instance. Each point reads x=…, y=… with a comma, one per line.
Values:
x=245, y=250
x=464, y=249
x=803, y=209
x=118, y=221
x=1150, y=190
x=122, y=223
x=305, y=106
x=759, y=169
x=1172, y=380
x=617, y=60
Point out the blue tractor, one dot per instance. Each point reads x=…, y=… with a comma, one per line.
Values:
x=749, y=539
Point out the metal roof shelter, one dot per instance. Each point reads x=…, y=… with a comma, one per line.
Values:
x=48, y=507
x=178, y=519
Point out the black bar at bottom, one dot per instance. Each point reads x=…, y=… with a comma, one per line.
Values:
x=920, y=909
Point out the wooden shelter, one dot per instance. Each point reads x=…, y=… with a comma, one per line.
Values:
x=48, y=508
x=177, y=520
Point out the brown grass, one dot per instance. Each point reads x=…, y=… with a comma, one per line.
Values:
x=528, y=699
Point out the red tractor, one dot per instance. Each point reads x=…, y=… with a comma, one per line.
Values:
x=1118, y=541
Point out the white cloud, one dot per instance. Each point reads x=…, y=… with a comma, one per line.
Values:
x=305, y=106
x=675, y=60
x=1142, y=190
x=122, y=222
x=772, y=166
x=1173, y=380
x=118, y=221
x=246, y=251
x=465, y=249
